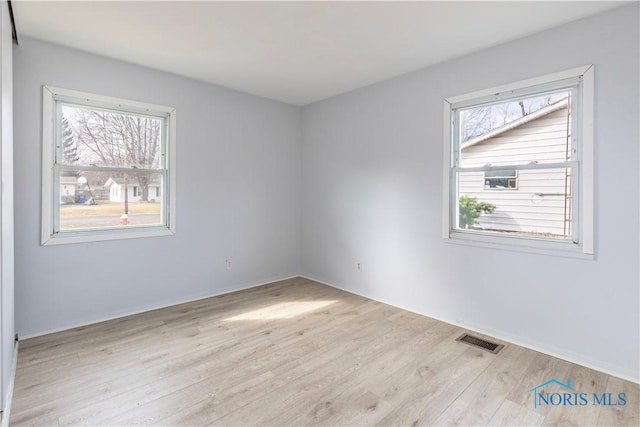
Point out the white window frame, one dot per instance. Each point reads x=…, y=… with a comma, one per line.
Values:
x=583, y=246
x=51, y=96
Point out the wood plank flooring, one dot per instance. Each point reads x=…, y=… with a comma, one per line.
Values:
x=293, y=353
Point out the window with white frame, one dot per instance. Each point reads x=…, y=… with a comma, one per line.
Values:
x=501, y=179
x=102, y=159
x=535, y=139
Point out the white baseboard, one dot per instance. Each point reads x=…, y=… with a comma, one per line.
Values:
x=159, y=306
x=481, y=329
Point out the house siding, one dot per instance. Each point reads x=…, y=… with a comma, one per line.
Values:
x=520, y=209
x=116, y=193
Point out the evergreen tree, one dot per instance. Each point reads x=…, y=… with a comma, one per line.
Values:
x=69, y=147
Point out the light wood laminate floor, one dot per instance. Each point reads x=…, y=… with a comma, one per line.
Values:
x=293, y=353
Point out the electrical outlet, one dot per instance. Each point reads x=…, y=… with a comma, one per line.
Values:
x=228, y=262
x=359, y=266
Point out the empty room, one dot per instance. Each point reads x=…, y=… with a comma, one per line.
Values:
x=320, y=213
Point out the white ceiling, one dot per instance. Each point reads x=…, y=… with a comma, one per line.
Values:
x=295, y=52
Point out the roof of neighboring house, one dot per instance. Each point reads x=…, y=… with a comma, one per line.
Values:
x=517, y=123
x=111, y=181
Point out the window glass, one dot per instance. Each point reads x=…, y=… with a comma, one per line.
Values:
x=521, y=133
x=110, y=168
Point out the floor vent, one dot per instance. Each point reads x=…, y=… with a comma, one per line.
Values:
x=480, y=343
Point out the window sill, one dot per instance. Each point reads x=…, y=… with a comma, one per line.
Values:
x=105, y=235
x=519, y=244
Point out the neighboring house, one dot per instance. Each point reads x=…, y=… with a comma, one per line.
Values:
x=116, y=190
x=68, y=186
x=537, y=201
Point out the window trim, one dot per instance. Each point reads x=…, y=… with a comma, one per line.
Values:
x=585, y=187
x=50, y=97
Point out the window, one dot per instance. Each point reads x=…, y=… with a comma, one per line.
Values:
x=500, y=179
x=518, y=166
x=95, y=149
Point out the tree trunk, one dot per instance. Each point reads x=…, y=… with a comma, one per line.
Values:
x=143, y=180
x=126, y=196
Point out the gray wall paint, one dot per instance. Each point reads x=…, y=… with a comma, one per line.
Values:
x=6, y=204
x=372, y=182
x=238, y=195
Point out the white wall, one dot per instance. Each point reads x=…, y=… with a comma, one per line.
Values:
x=238, y=196
x=7, y=331
x=372, y=191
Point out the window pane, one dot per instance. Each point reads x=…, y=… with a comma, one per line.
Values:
x=500, y=179
x=91, y=200
x=539, y=207
x=534, y=129
x=91, y=137
x=500, y=183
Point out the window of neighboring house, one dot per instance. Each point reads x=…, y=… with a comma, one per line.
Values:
x=535, y=139
x=157, y=191
x=98, y=142
x=500, y=179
